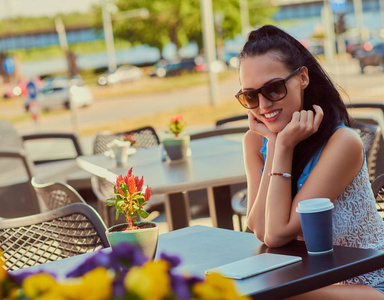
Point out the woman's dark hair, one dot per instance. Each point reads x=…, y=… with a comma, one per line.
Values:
x=320, y=91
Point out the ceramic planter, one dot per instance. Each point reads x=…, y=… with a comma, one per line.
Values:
x=177, y=147
x=145, y=237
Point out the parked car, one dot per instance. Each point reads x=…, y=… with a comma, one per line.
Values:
x=374, y=57
x=57, y=90
x=165, y=68
x=121, y=74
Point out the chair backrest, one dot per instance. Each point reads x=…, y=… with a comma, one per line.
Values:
x=378, y=192
x=17, y=196
x=49, y=236
x=370, y=135
x=232, y=119
x=145, y=137
x=56, y=194
x=59, y=146
x=220, y=131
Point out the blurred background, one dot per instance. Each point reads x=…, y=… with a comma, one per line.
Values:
x=90, y=65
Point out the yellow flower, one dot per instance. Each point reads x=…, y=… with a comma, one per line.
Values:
x=38, y=284
x=3, y=275
x=95, y=285
x=149, y=282
x=217, y=287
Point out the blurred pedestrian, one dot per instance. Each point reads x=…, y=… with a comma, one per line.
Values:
x=33, y=105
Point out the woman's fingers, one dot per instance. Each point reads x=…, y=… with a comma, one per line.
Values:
x=257, y=126
x=310, y=118
x=318, y=116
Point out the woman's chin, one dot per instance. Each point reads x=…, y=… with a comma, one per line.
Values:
x=274, y=128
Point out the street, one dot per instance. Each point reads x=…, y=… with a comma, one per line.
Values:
x=367, y=87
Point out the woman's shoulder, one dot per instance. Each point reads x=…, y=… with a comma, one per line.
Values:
x=253, y=141
x=347, y=134
x=253, y=138
x=346, y=139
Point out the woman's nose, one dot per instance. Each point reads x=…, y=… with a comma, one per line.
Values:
x=264, y=102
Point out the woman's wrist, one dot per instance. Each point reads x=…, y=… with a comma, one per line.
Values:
x=284, y=145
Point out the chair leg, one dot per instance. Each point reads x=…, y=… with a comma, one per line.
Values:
x=239, y=216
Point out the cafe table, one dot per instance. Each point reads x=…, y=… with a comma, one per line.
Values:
x=214, y=164
x=201, y=248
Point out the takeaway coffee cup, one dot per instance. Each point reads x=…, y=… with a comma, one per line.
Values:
x=316, y=223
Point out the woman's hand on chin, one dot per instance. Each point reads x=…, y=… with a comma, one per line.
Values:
x=304, y=123
x=257, y=126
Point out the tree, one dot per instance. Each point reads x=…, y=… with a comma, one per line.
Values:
x=178, y=21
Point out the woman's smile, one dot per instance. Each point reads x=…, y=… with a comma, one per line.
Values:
x=271, y=115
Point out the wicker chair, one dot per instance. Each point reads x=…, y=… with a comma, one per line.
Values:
x=19, y=163
x=145, y=137
x=56, y=194
x=370, y=135
x=378, y=191
x=49, y=236
x=17, y=196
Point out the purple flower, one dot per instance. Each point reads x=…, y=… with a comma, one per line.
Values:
x=18, y=277
x=118, y=286
x=173, y=260
x=98, y=259
x=127, y=255
x=122, y=256
x=193, y=280
x=180, y=287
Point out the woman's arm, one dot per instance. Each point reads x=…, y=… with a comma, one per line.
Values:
x=280, y=148
x=339, y=162
x=257, y=183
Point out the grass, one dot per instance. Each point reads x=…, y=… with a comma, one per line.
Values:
x=197, y=116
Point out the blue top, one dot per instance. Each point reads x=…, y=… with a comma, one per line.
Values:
x=308, y=168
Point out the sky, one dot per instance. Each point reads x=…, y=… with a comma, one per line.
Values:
x=42, y=7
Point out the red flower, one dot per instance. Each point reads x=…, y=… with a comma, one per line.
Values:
x=139, y=183
x=132, y=185
x=119, y=180
x=147, y=193
x=129, y=196
x=129, y=172
x=177, y=119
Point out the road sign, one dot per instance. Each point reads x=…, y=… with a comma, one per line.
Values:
x=339, y=6
x=9, y=66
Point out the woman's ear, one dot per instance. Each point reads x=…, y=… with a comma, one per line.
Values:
x=304, y=77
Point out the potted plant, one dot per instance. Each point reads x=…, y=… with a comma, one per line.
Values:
x=177, y=146
x=130, y=138
x=130, y=199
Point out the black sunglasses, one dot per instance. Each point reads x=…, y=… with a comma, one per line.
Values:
x=273, y=91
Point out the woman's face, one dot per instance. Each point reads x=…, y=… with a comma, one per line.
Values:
x=260, y=70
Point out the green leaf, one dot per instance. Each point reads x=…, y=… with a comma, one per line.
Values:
x=142, y=213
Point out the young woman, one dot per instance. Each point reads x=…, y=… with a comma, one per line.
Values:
x=299, y=146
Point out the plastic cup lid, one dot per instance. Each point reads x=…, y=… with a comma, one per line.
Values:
x=314, y=205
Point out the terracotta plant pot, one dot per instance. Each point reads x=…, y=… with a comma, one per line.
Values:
x=145, y=237
x=177, y=147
